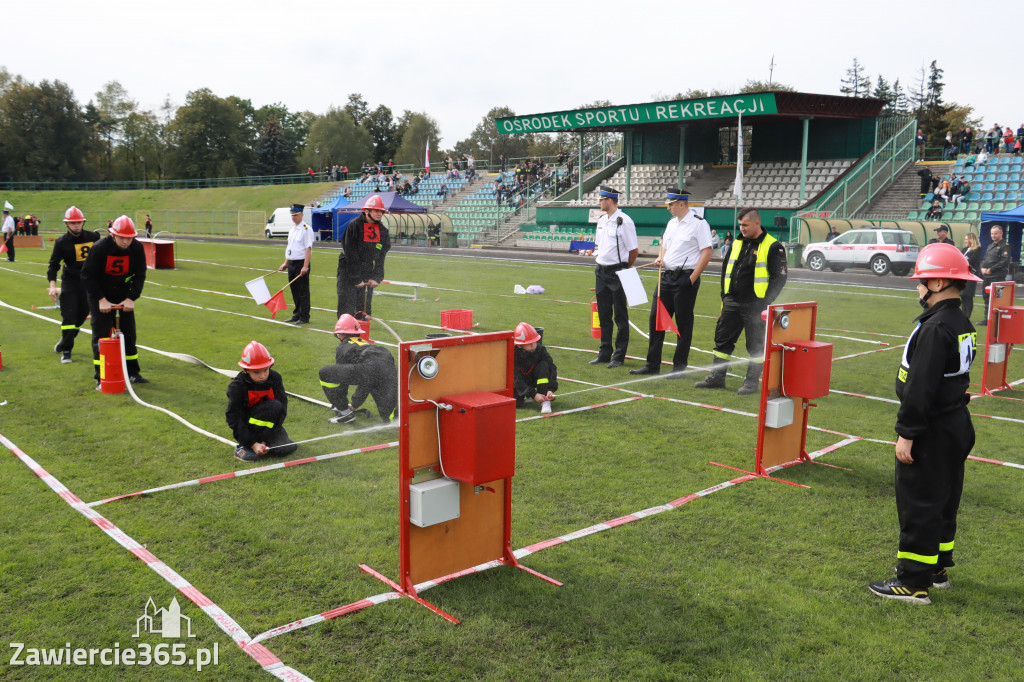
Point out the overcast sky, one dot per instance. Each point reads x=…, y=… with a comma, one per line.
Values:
x=455, y=60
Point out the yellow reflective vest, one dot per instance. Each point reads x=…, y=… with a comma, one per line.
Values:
x=760, y=266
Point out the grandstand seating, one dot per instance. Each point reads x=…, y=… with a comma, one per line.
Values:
x=427, y=195
x=777, y=184
x=477, y=212
x=997, y=185
x=647, y=183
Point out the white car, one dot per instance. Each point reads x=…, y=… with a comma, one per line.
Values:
x=280, y=222
x=883, y=250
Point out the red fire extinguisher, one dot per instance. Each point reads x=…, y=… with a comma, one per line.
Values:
x=595, y=320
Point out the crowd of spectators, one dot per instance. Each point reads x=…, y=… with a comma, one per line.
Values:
x=995, y=140
x=944, y=189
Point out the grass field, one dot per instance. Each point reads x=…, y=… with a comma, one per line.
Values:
x=758, y=581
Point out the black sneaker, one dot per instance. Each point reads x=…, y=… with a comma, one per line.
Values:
x=138, y=379
x=894, y=589
x=342, y=417
x=245, y=454
x=56, y=347
x=65, y=357
x=940, y=579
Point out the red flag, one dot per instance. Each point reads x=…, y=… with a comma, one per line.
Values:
x=276, y=304
x=3, y=249
x=663, y=321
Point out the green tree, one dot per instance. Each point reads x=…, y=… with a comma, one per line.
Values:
x=900, y=105
x=485, y=142
x=208, y=136
x=381, y=125
x=339, y=141
x=273, y=155
x=753, y=85
x=113, y=106
x=43, y=134
x=419, y=127
x=357, y=108
x=141, y=147
x=884, y=92
x=856, y=83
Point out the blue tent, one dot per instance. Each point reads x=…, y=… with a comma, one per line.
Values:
x=1011, y=221
x=331, y=220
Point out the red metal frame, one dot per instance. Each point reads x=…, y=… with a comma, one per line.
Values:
x=992, y=316
x=406, y=474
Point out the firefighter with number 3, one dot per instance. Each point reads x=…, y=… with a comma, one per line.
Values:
x=71, y=249
x=365, y=244
x=934, y=427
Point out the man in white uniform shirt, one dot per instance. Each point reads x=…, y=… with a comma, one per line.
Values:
x=8, y=232
x=685, y=252
x=616, y=244
x=296, y=260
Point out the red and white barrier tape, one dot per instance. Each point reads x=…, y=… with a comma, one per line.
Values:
x=531, y=549
x=267, y=660
x=852, y=338
x=245, y=472
x=866, y=352
x=867, y=397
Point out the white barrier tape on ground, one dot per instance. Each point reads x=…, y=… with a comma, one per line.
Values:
x=245, y=472
x=861, y=395
x=140, y=401
x=531, y=549
x=266, y=660
x=850, y=331
x=866, y=352
x=852, y=338
x=580, y=409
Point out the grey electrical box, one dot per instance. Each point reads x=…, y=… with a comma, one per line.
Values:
x=778, y=412
x=433, y=502
x=997, y=352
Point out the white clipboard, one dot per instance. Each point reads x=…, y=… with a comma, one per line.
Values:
x=631, y=284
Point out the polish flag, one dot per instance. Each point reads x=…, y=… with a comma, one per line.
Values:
x=427, y=165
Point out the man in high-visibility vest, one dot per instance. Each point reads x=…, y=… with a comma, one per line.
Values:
x=753, y=274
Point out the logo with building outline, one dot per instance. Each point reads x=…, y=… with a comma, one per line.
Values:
x=166, y=622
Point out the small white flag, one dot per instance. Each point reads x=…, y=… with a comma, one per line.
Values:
x=7, y=205
x=738, y=190
x=258, y=289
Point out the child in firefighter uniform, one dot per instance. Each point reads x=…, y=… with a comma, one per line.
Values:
x=71, y=249
x=113, y=274
x=366, y=243
x=257, y=407
x=535, y=377
x=371, y=369
x=934, y=427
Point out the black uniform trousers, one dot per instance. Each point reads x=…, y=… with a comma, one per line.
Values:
x=74, y=308
x=299, y=289
x=740, y=317
x=928, y=497
x=986, y=280
x=540, y=378
x=352, y=299
x=102, y=323
x=967, y=298
x=611, y=300
x=678, y=295
x=267, y=425
x=10, y=248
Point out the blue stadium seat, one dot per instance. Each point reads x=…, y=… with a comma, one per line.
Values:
x=987, y=196
x=999, y=196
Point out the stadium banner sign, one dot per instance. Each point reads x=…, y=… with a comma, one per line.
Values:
x=637, y=114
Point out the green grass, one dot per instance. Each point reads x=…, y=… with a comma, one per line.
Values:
x=760, y=581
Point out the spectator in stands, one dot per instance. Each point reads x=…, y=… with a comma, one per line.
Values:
x=948, y=146
x=1008, y=140
x=926, y=180
x=443, y=192
x=348, y=191
x=832, y=233
x=966, y=135
x=344, y=172
x=982, y=159
x=391, y=165
x=920, y=141
x=944, y=191
x=310, y=173
x=961, y=188
x=503, y=162
x=609, y=157
x=992, y=139
x=1020, y=137
x=935, y=212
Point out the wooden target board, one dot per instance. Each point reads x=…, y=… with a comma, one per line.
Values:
x=993, y=374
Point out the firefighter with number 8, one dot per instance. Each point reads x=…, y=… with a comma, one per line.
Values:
x=71, y=249
x=934, y=427
x=365, y=244
x=113, y=275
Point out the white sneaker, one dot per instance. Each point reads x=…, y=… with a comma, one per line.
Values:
x=545, y=407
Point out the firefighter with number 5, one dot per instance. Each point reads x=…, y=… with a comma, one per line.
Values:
x=934, y=427
x=71, y=249
x=113, y=275
x=361, y=264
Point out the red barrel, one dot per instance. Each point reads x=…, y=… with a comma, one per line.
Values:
x=111, y=372
x=364, y=327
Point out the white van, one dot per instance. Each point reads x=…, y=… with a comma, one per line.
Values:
x=279, y=224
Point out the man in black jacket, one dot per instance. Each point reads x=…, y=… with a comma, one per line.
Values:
x=934, y=428
x=994, y=266
x=361, y=264
x=753, y=274
x=71, y=249
x=113, y=274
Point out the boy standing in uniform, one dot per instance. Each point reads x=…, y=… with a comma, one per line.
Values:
x=257, y=406
x=357, y=362
x=366, y=243
x=535, y=376
x=113, y=274
x=934, y=427
x=71, y=248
